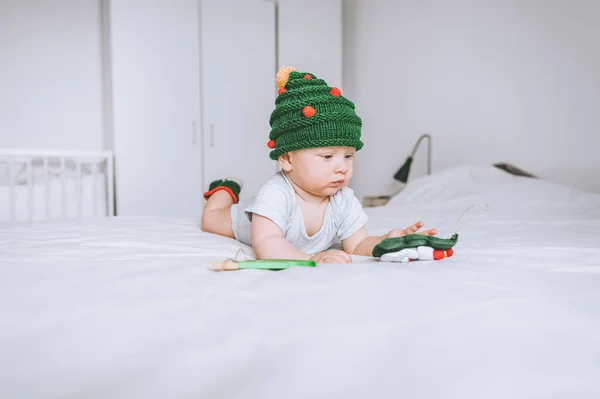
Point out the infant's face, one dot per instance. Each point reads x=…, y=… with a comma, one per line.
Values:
x=322, y=171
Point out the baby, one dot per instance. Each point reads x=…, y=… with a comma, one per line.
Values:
x=301, y=211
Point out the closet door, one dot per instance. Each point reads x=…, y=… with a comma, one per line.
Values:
x=155, y=60
x=238, y=80
x=310, y=37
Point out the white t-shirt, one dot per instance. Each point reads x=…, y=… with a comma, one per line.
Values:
x=277, y=201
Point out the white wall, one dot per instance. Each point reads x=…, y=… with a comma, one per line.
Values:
x=50, y=74
x=515, y=81
x=317, y=49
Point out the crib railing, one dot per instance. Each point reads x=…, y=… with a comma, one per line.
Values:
x=41, y=172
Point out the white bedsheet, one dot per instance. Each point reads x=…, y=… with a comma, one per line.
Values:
x=127, y=308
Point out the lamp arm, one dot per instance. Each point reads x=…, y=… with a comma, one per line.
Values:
x=416, y=147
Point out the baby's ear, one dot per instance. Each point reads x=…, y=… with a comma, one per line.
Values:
x=285, y=162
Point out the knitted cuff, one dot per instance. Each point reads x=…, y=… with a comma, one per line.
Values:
x=232, y=187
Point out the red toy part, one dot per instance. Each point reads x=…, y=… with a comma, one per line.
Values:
x=442, y=253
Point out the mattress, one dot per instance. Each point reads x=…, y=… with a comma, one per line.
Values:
x=117, y=307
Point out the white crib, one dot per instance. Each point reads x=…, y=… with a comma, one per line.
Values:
x=49, y=184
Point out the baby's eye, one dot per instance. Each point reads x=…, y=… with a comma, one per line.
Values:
x=349, y=156
x=327, y=156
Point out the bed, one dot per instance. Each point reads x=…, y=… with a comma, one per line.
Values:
x=117, y=307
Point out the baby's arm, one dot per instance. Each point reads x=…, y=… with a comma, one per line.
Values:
x=361, y=243
x=268, y=242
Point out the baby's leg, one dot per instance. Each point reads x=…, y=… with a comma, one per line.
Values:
x=216, y=216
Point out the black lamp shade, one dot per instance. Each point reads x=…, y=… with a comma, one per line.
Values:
x=402, y=173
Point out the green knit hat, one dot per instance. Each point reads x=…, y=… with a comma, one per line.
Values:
x=309, y=113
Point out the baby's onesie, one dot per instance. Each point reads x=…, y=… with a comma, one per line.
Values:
x=277, y=201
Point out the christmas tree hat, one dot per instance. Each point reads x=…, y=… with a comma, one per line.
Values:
x=309, y=113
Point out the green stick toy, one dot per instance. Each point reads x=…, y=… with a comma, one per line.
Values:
x=264, y=264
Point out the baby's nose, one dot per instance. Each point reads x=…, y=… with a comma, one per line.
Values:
x=341, y=168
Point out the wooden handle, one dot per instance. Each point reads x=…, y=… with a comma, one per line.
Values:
x=225, y=265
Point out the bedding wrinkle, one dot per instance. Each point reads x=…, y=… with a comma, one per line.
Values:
x=127, y=307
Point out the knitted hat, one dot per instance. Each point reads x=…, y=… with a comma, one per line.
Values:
x=308, y=113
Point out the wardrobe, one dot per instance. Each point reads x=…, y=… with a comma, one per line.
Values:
x=192, y=86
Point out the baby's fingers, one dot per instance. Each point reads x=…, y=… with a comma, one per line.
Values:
x=345, y=256
x=414, y=228
x=336, y=258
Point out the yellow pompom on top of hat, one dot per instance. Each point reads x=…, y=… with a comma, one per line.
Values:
x=283, y=75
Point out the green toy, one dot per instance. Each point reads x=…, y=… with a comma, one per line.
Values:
x=415, y=247
x=264, y=264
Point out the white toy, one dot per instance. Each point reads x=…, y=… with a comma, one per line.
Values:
x=418, y=253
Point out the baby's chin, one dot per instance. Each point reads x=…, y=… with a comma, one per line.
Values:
x=328, y=190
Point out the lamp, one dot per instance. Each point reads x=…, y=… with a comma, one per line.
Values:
x=402, y=174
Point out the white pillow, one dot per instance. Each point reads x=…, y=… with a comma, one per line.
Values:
x=462, y=187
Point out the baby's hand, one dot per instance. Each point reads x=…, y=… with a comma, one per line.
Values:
x=332, y=256
x=414, y=229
